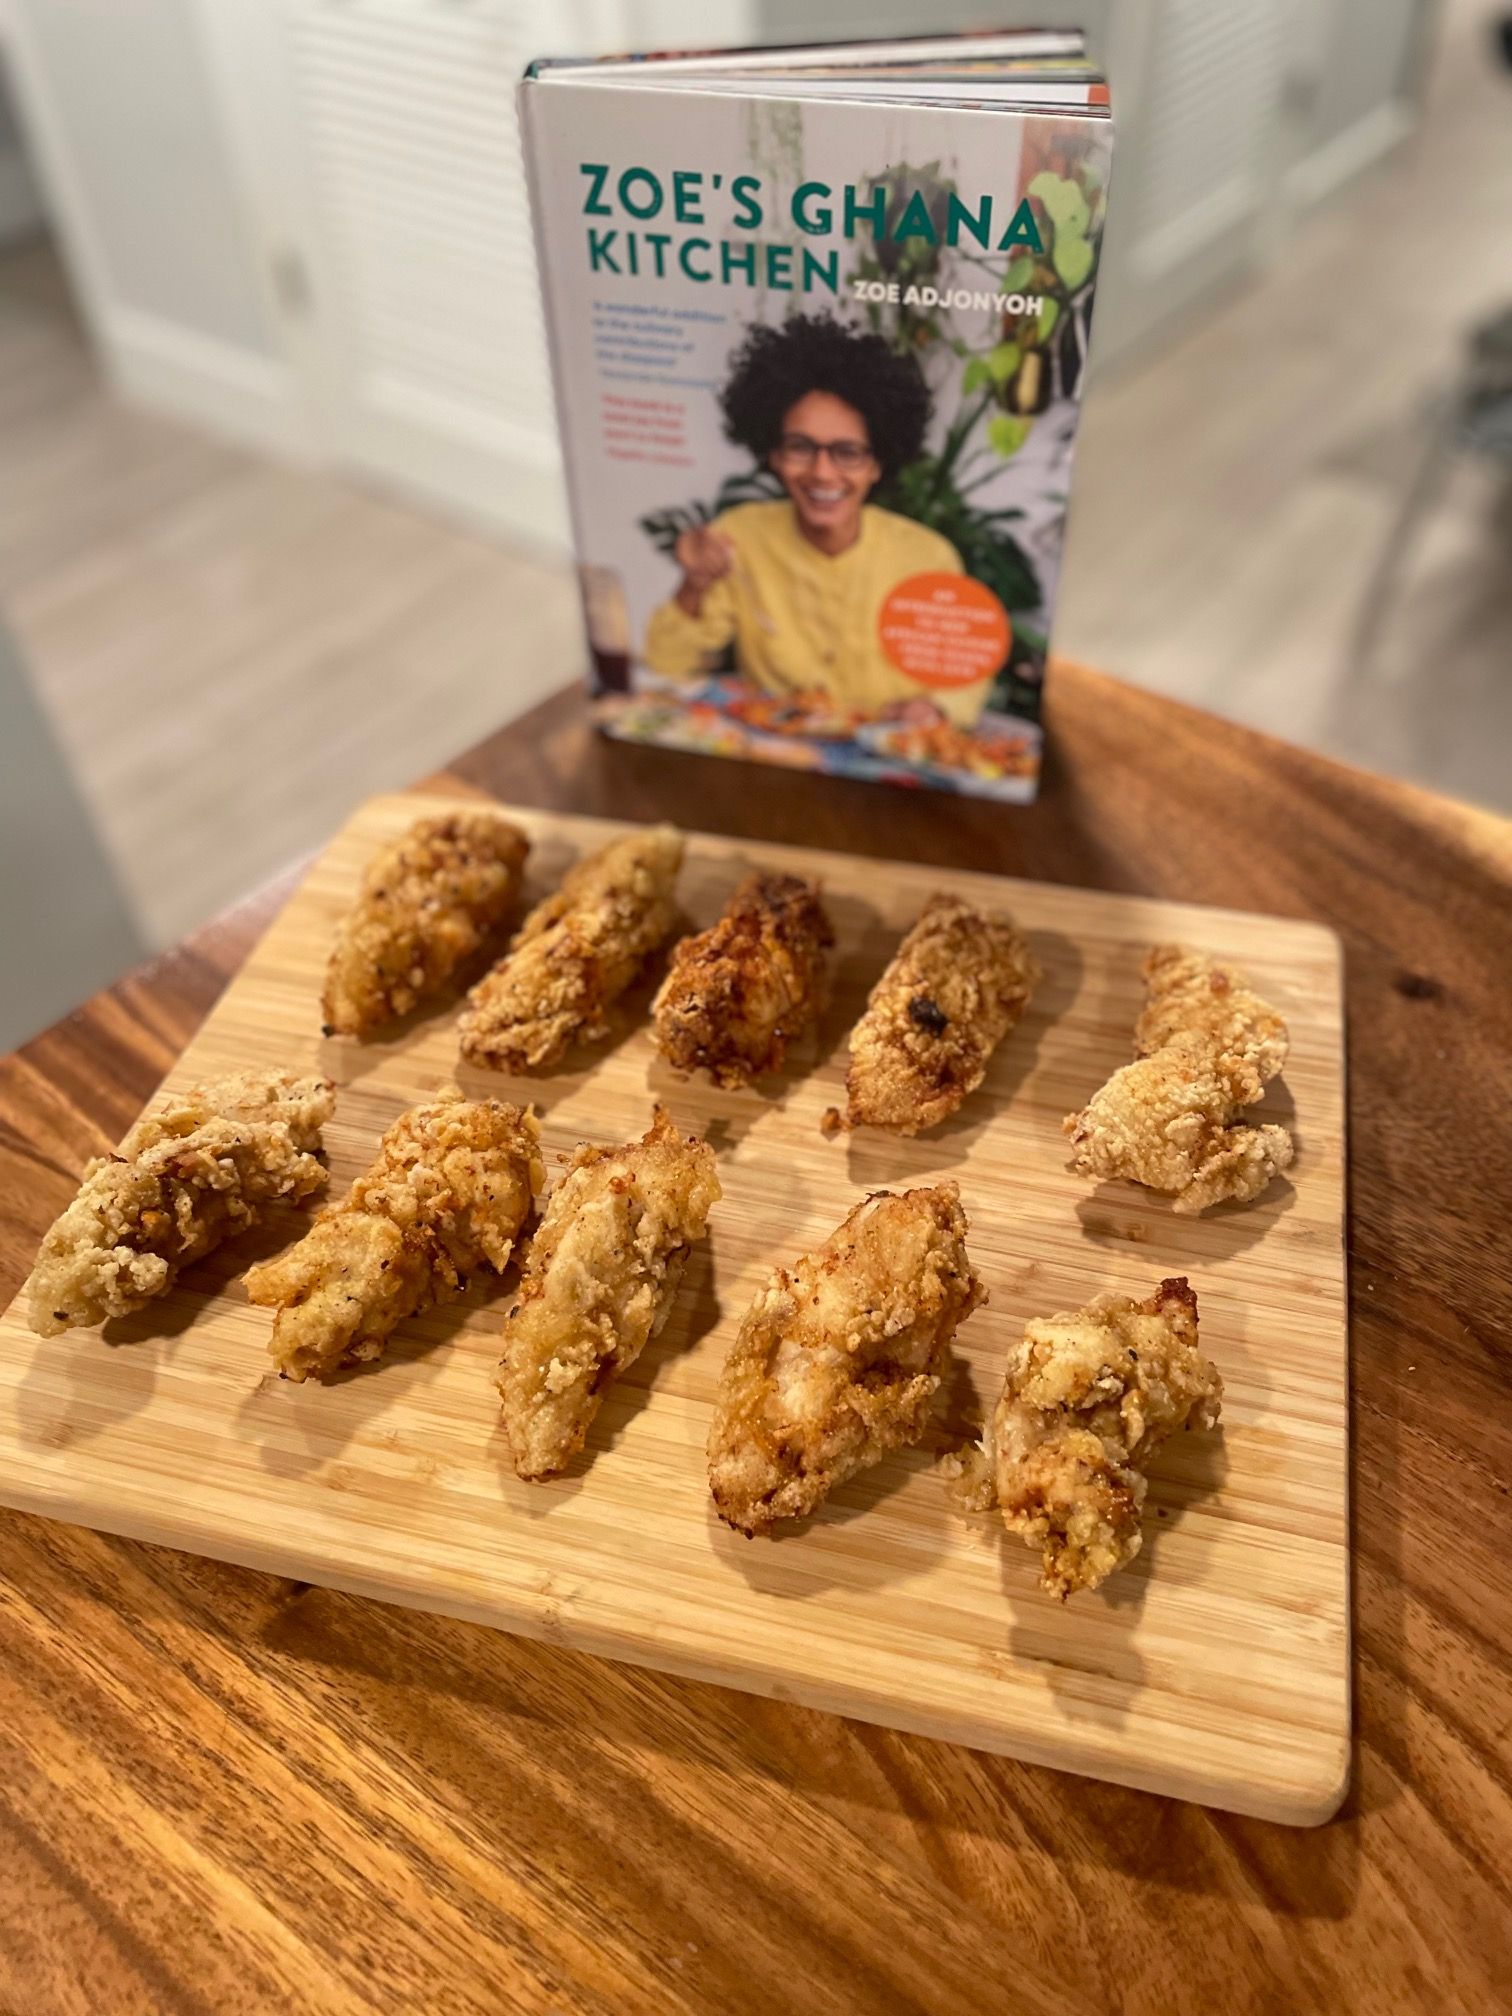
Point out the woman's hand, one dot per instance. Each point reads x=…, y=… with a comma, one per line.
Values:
x=705, y=556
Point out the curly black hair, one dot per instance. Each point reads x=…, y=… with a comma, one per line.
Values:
x=775, y=367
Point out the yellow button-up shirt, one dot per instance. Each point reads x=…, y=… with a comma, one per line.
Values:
x=801, y=619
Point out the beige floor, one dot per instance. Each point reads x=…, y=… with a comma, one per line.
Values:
x=1233, y=495
x=234, y=653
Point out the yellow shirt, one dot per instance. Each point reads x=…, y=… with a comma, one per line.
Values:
x=801, y=619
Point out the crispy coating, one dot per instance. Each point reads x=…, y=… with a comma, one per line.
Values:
x=839, y=1361
x=737, y=994
x=1207, y=1048
x=957, y=984
x=1088, y=1399
x=575, y=954
x=600, y=1283
x=195, y=1172
x=452, y=1186
x=426, y=905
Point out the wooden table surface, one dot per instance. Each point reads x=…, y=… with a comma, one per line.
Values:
x=226, y=1792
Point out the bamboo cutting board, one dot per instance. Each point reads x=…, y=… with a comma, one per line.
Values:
x=1215, y=1668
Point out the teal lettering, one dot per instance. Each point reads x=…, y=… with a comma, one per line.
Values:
x=598, y=174
x=688, y=245
x=687, y=184
x=959, y=218
x=875, y=208
x=659, y=241
x=601, y=250
x=916, y=221
x=825, y=270
x=640, y=176
x=1023, y=230
x=731, y=256
x=806, y=219
x=779, y=268
x=747, y=210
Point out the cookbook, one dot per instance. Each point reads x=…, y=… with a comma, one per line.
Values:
x=819, y=324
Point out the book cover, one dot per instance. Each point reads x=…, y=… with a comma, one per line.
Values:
x=818, y=340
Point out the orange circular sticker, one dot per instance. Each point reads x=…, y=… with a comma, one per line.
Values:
x=944, y=630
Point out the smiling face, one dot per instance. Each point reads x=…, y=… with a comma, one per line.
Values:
x=825, y=463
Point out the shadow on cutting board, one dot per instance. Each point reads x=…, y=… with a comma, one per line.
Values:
x=697, y=1313
x=873, y=1156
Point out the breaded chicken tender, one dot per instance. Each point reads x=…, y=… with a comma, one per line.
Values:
x=1088, y=1399
x=600, y=1283
x=1207, y=1048
x=451, y=1188
x=197, y=1171
x=839, y=1361
x=737, y=994
x=426, y=905
x=575, y=954
x=957, y=984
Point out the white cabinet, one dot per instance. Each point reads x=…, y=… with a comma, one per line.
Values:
x=376, y=142
x=304, y=220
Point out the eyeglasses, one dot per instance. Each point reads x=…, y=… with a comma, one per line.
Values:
x=803, y=452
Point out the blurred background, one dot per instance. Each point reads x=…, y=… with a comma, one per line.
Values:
x=280, y=513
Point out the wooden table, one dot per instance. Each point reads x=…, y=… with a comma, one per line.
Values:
x=225, y=1792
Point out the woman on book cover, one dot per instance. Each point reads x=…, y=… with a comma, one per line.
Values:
x=797, y=583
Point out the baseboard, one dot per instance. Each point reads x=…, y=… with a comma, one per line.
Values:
x=1349, y=153
x=232, y=392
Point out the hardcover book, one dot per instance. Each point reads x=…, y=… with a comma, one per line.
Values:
x=819, y=323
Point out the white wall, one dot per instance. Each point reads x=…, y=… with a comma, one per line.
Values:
x=125, y=95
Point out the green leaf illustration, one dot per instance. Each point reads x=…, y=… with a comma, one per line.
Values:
x=1049, y=315
x=1019, y=275
x=1007, y=433
x=1064, y=204
x=1073, y=257
x=976, y=375
x=1003, y=361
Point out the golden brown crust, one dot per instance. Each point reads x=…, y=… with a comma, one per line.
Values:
x=427, y=904
x=736, y=995
x=1088, y=1398
x=452, y=1185
x=194, y=1172
x=839, y=1361
x=600, y=1282
x=575, y=954
x=957, y=984
x=1207, y=1048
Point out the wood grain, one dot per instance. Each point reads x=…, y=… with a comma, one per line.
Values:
x=1215, y=1668
x=358, y=1808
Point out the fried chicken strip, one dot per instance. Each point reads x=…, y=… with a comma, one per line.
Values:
x=194, y=1173
x=452, y=1186
x=426, y=905
x=736, y=995
x=839, y=1361
x=575, y=954
x=957, y=984
x=600, y=1283
x=1207, y=1048
x=1088, y=1399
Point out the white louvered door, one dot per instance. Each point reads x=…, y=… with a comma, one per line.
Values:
x=1198, y=91
x=378, y=142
